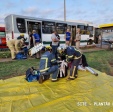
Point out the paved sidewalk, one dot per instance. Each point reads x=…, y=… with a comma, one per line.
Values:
x=6, y=59
x=92, y=49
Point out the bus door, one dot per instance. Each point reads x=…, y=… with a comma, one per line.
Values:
x=73, y=32
x=34, y=25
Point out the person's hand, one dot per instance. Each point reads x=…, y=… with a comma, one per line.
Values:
x=70, y=39
x=75, y=40
x=55, y=40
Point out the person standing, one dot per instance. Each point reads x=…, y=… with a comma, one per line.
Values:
x=31, y=39
x=78, y=38
x=67, y=37
x=36, y=41
x=55, y=43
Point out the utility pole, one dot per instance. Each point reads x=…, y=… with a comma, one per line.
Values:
x=64, y=10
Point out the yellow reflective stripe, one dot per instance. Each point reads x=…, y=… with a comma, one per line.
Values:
x=70, y=56
x=77, y=57
x=53, y=59
x=44, y=70
x=46, y=61
x=77, y=50
x=73, y=71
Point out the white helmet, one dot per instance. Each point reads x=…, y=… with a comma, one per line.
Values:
x=61, y=49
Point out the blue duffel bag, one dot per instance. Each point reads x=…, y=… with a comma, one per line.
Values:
x=20, y=56
x=32, y=74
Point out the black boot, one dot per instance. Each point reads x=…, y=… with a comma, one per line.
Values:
x=41, y=79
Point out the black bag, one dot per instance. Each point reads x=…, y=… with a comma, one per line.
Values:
x=32, y=74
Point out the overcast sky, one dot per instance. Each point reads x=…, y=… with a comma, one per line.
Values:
x=96, y=11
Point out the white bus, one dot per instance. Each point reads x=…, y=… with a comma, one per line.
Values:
x=16, y=24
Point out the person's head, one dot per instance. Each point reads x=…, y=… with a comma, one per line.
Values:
x=68, y=30
x=30, y=32
x=22, y=35
x=48, y=48
x=78, y=30
x=61, y=49
x=34, y=31
x=54, y=31
x=23, y=40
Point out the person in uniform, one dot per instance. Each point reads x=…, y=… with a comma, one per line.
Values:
x=21, y=36
x=48, y=65
x=78, y=38
x=63, y=67
x=73, y=56
x=15, y=46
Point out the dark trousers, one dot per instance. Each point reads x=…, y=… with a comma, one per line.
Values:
x=84, y=61
x=54, y=51
x=54, y=70
x=25, y=49
x=74, y=67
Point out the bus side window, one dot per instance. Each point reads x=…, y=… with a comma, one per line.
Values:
x=61, y=28
x=21, y=25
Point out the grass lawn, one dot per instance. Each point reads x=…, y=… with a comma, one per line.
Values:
x=17, y=67
x=100, y=60
x=5, y=54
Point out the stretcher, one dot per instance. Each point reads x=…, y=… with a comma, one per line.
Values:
x=36, y=49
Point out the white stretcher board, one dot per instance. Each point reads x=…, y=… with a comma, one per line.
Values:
x=36, y=49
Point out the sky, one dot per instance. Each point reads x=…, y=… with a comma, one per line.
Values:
x=95, y=11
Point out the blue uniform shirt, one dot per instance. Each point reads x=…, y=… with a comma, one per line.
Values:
x=36, y=37
x=68, y=36
x=46, y=61
x=73, y=53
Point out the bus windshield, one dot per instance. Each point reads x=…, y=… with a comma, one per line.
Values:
x=108, y=33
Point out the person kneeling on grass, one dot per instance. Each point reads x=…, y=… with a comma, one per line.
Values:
x=48, y=65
